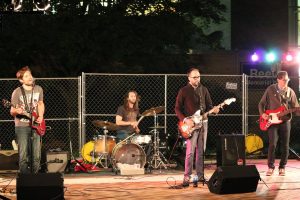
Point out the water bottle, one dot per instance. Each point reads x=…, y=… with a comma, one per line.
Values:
x=195, y=181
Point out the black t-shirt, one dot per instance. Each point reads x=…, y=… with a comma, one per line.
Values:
x=128, y=116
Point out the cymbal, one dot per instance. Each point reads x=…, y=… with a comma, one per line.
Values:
x=154, y=127
x=153, y=111
x=105, y=124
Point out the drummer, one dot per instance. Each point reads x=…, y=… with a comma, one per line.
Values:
x=126, y=117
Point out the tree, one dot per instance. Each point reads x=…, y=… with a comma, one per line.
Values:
x=125, y=36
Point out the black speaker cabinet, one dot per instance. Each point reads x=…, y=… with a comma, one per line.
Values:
x=57, y=161
x=9, y=161
x=44, y=186
x=231, y=150
x=234, y=179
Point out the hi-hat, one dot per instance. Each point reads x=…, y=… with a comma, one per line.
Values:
x=153, y=111
x=106, y=125
x=154, y=127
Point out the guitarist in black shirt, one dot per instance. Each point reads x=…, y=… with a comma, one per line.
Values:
x=192, y=97
x=27, y=99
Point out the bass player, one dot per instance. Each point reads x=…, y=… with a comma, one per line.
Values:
x=276, y=96
x=190, y=98
x=27, y=98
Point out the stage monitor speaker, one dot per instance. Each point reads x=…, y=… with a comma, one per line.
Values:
x=231, y=150
x=44, y=186
x=9, y=161
x=57, y=161
x=234, y=179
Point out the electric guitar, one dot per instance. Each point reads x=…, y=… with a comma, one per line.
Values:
x=186, y=131
x=39, y=127
x=276, y=116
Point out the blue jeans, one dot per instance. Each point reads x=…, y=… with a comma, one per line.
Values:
x=23, y=135
x=122, y=134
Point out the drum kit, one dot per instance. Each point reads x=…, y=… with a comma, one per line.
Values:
x=104, y=151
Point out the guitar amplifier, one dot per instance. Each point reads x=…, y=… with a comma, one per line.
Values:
x=231, y=150
x=57, y=161
x=9, y=161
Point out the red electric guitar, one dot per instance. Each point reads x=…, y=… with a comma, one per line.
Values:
x=39, y=127
x=186, y=131
x=276, y=116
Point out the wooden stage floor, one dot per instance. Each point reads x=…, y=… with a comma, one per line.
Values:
x=157, y=185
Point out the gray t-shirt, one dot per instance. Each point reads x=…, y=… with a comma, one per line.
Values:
x=18, y=101
x=128, y=116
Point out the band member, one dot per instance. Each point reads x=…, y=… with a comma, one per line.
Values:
x=27, y=98
x=192, y=97
x=277, y=95
x=127, y=114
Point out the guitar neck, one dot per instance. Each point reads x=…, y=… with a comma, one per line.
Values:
x=288, y=111
x=212, y=110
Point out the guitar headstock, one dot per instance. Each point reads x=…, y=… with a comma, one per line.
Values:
x=6, y=103
x=229, y=101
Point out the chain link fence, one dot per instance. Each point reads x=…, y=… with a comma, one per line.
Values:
x=62, y=116
x=103, y=93
x=72, y=104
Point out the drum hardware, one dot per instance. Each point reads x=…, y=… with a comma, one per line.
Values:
x=103, y=156
x=102, y=145
x=158, y=158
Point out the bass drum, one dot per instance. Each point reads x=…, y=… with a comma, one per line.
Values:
x=254, y=144
x=131, y=154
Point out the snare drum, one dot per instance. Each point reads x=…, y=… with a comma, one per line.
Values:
x=141, y=139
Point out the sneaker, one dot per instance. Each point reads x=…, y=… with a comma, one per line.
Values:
x=281, y=172
x=195, y=181
x=270, y=172
x=186, y=182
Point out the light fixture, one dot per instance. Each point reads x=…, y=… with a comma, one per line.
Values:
x=41, y=5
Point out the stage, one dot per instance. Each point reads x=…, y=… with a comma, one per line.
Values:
x=159, y=184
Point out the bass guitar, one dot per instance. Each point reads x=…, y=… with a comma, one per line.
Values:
x=276, y=116
x=186, y=131
x=39, y=127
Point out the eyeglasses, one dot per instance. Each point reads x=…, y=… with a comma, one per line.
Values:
x=285, y=80
x=195, y=77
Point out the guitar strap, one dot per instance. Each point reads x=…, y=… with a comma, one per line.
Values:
x=25, y=100
x=199, y=93
x=285, y=98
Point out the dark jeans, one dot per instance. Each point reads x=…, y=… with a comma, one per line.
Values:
x=282, y=132
x=194, y=145
x=23, y=135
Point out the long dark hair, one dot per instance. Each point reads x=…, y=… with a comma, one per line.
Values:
x=136, y=104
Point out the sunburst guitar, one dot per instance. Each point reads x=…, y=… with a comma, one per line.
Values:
x=186, y=131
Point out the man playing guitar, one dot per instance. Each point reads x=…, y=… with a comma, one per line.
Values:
x=27, y=99
x=192, y=97
x=276, y=96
